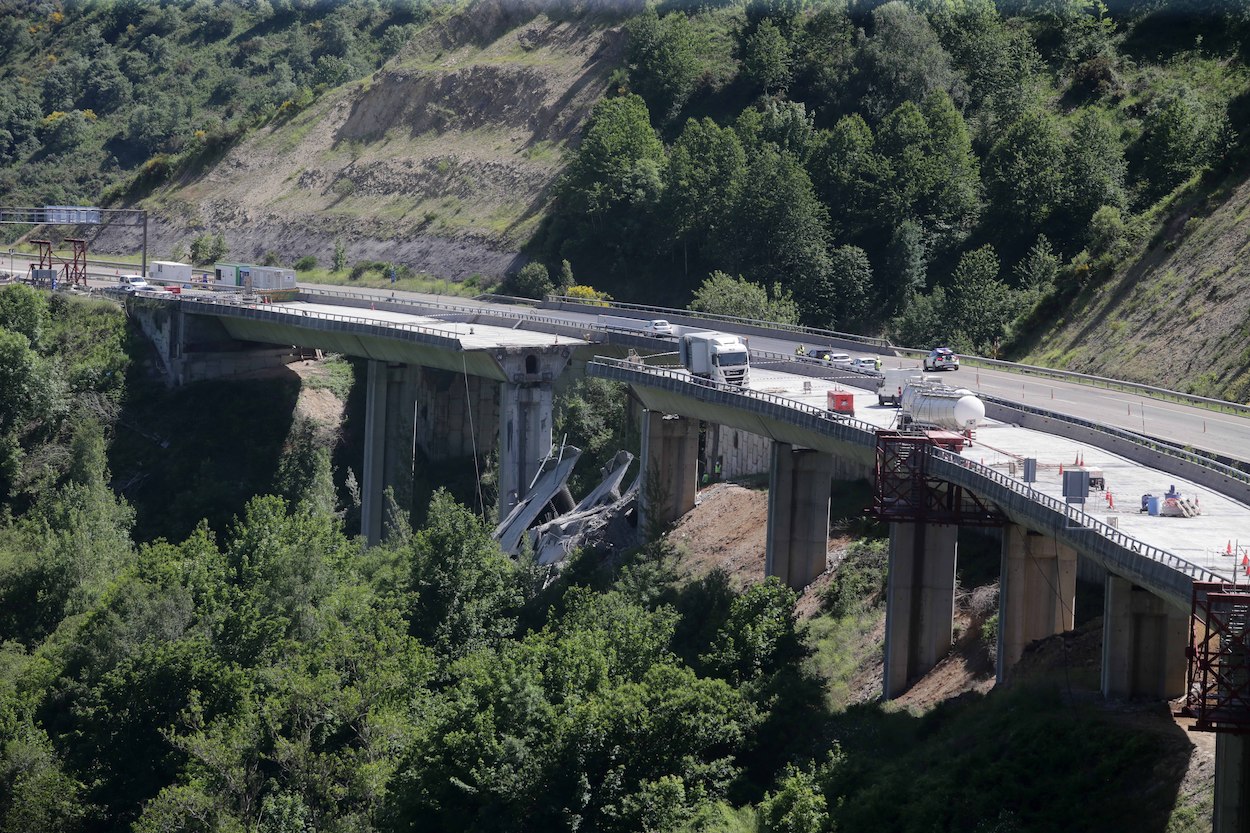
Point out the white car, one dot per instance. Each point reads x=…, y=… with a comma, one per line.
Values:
x=133, y=283
x=865, y=364
x=840, y=359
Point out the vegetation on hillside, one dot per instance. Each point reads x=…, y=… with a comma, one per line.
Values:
x=93, y=93
x=945, y=170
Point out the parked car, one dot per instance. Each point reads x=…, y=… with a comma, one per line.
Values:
x=865, y=364
x=941, y=358
x=840, y=359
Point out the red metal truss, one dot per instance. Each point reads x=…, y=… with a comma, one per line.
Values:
x=904, y=491
x=1218, y=695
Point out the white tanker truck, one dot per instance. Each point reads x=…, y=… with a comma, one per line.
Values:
x=934, y=404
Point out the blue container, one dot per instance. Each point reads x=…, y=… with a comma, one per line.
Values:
x=1152, y=505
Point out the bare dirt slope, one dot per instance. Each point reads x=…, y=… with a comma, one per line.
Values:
x=442, y=160
x=1179, y=316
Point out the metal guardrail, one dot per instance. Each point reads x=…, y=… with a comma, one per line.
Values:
x=674, y=379
x=884, y=344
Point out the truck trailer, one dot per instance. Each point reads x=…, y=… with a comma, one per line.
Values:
x=169, y=272
x=720, y=357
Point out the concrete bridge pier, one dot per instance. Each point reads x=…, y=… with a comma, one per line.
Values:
x=1036, y=592
x=798, y=514
x=1143, y=643
x=525, y=401
x=390, y=413
x=920, y=602
x=670, y=468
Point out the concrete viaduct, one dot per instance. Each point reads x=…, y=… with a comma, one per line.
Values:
x=455, y=381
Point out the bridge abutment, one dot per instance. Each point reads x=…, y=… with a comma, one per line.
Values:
x=920, y=601
x=1036, y=592
x=798, y=514
x=1143, y=643
x=670, y=468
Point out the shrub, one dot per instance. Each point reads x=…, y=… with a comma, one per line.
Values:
x=306, y=264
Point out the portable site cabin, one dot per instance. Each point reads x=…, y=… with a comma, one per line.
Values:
x=273, y=282
x=169, y=271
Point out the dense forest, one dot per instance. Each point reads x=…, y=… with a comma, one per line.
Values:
x=945, y=169
x=269, y=674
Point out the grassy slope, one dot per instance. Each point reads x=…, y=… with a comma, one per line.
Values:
x=1178, y=314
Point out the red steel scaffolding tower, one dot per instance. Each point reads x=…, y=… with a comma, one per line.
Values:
x=1218, y=694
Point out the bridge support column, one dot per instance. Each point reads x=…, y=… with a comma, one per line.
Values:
x=670, y=468
x=798, y=514
x=920, y=601
x=1232, y=787
x=1143, y=643
x=1037, y=592
x=390, y=411
x=525, y=420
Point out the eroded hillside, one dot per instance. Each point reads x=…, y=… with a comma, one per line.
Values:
x=1179, y=315
x=443, y=159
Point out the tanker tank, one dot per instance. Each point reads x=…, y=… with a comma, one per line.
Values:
x=932, y=403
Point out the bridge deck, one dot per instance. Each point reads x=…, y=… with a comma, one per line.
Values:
x=1202, y=540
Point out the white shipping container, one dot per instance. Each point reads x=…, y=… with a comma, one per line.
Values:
x=169, y=271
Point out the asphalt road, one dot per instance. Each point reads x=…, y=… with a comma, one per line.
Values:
x=1199, y=428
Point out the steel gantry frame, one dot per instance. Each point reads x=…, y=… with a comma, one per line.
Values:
x=54, y=215
x=1218, y=691
x=904, y=491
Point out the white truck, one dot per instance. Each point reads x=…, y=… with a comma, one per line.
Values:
x=720, y=357
x=643, y=326
x=132, y=283
x=893, y=380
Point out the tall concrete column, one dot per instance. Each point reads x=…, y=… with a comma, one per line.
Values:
x=1232, y=787
x=670, y=468
x=390, y=412
x=1143, y=643
x=920, y=602
x=1037, y=592
x=798, y=514
x=525, y=419
x=375, y=447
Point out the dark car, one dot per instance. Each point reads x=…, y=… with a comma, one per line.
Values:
x=941, y=358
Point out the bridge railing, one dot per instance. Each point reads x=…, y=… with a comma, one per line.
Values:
x=672, y=380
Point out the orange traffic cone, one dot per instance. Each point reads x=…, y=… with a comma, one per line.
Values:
x=1061, y=469
x=1228, y=550
x=1076, y=459
x=1110, y=501
x=1245, y=561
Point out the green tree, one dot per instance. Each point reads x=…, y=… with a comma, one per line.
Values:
x=980, y=306
x=1038, y=270
x=1178, y=137
x=903, y=60
x=704, y=175
x=664, y=63
x=532, y=281
x=722, y=294
x=465, y=591
x=759, y=635
x=766, y=59
x=24, y=310
x=850, y=278
x=1025, y=173
x=617, y=157
x=848, y=174
x=797, y=807
x=340, y=256
x=1094, y=168
x=779, y=233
